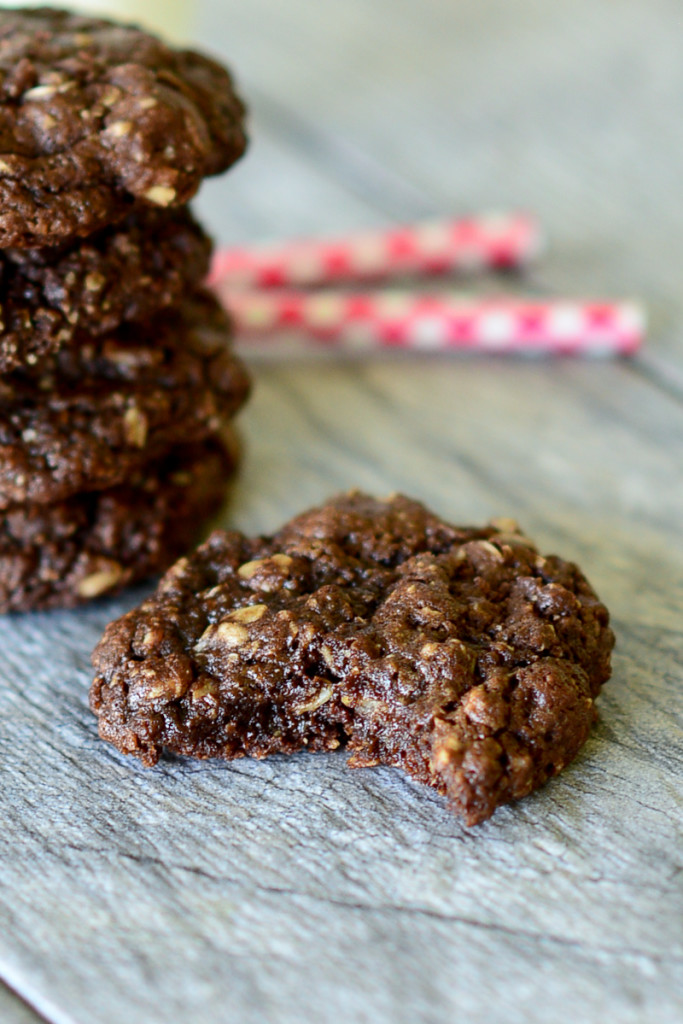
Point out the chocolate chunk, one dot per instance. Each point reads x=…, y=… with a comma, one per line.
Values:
x=460, y=655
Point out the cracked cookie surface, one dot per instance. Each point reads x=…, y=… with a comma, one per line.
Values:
x=97, y=543
x=99, y=410
x=461, y=655
x=125, y=273
x=96, y=118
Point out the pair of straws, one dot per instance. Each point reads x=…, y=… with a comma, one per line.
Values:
x=286, y=289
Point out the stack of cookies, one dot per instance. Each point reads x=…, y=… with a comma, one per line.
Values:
x=118, y=384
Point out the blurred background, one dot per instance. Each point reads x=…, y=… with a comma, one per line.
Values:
x=368, y=111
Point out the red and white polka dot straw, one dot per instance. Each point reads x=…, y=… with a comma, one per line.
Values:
x=398, y=319
x=493, y=240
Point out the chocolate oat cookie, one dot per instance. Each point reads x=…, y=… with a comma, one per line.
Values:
x=97, y=117
x=57, y=556
x=461, y=655
x=48, y=297
x=100, y=409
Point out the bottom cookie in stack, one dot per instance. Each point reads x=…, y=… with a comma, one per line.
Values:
x=96, y=543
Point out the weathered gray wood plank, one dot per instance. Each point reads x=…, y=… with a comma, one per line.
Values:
x=292, y=887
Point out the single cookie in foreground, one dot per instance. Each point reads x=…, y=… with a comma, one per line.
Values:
x=100, y=409
x=58, y=556
x=461, y=655
x=96, y=118
x=50, y=297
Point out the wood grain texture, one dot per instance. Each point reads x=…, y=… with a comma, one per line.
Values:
x=295, y=889
x=299, y=887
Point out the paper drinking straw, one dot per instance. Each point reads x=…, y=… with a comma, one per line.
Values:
x=399, y=319
x=431, y=248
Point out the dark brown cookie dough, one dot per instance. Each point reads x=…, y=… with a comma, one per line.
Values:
x=461, y=655
x=100, y=409
x=57, y=556
x=97, y=117
x=124, y=273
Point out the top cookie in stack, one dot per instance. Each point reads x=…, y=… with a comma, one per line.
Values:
x=99, y=118
x=117, y=380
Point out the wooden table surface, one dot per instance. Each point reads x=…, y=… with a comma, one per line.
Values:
x=295, y=890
